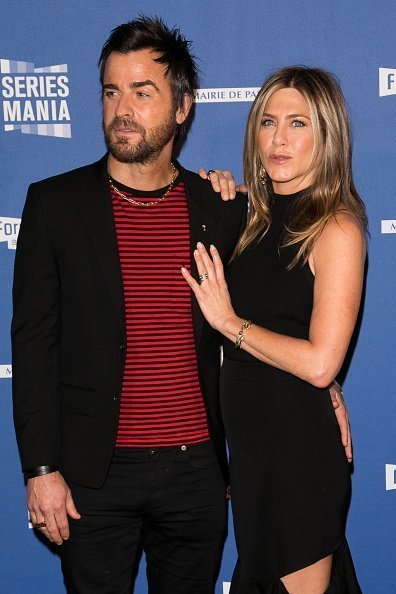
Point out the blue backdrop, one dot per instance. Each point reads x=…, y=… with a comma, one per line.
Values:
x=50, y=121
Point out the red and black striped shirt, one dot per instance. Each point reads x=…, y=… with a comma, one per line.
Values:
x=161, y=400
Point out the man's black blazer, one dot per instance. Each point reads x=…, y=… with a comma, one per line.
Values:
x=68, y=328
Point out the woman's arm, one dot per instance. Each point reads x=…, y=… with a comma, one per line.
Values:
x=337, y=261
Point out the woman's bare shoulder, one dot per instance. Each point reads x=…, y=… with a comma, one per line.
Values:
x=343, y=226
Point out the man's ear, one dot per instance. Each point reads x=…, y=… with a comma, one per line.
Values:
x=182, y=112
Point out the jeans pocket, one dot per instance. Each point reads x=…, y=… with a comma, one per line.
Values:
x=201, y=456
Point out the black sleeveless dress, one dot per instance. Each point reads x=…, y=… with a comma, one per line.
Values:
x=290, y=480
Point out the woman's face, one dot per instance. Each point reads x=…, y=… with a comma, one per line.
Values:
x=286, y=141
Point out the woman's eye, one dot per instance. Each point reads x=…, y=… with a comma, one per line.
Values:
x=298, y=124
x=267, y=122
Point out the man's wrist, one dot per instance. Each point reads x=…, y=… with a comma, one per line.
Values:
x=39, y=471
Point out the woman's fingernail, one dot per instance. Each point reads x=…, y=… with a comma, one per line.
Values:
x=199, y=244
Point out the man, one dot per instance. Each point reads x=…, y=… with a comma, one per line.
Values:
x=115, y=370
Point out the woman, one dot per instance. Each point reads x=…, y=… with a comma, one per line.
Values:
x=288, y=309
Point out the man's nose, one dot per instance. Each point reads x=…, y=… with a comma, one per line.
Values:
x=124, y=107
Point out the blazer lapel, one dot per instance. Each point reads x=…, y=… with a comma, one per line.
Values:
x=95, y=209
x=203, y=222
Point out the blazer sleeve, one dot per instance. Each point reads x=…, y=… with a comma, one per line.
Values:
x=243, y=205
x=36, y=339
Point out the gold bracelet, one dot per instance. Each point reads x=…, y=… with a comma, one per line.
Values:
x=240, y=337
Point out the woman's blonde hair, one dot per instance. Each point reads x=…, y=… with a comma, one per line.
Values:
x=332, y=188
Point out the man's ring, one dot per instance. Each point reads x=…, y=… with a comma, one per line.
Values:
x=203, y=277
x=210, y=172
x=40, y=525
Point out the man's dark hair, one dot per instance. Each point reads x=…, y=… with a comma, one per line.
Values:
x=173, y=47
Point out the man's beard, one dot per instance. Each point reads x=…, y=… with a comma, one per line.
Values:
x=150, y=145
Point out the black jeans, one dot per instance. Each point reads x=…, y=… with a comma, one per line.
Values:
x=171, y=501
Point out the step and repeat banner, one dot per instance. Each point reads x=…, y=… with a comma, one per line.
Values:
x=50, y=121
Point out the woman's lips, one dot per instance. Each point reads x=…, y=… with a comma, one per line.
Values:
x=278, y=158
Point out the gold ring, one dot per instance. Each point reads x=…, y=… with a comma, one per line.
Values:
x=209, y=172
x=40, y=524
x=203, y=277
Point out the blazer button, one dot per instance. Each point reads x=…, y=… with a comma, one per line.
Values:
x=115, y=397
x=122, y=348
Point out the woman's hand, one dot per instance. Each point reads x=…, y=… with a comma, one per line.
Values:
x=212, y=293
x=223, y=182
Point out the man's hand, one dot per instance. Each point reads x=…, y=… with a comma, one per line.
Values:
x=222, y=181
x=341, y=414
x=50, y=501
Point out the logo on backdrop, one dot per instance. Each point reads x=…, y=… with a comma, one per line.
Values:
x=387, y=81
x=226, y=587
x=9, y=229
x=225, y=94
x=35, y=99
x=390, y=476
x=388, y=226
x=5, y=371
